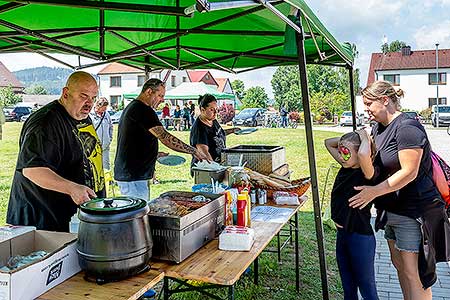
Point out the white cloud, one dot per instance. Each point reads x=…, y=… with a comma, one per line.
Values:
x=428, y=35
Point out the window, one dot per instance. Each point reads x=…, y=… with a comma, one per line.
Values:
x=172, y=80
x=432, y=101
x=184, y=78
x=115, y=81
x=392, y=78
x=114, y=101
x=141, y=80
x=432, y=78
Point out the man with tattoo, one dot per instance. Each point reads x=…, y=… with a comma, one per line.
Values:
x=137, y=145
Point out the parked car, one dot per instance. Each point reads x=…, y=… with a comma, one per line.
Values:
x=444, y=115
x=250, y=117
x=7, y=112
x=413, y=115
x=115, y=118
x=17, y=112
x=24, y=117
x=346, y=119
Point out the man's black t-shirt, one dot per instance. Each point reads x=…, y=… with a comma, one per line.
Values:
x=50, y=138
x=213, y=137
x=137, y=148
x=352, y=219
x=404, y=133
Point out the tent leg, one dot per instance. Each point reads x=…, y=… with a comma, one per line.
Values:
x=352, y=96
x=312, y=162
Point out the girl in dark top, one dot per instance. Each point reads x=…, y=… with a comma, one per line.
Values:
x=405, y=189
x=355, y=241
x=206, y=134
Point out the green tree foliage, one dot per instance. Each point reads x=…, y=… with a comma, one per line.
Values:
x=8, y=97
x=286, y=89
x=328, y=86
x=36, y=89
x=255, y=97
x=238, y=88
x=394, y=46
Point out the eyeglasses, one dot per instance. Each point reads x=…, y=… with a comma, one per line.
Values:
x=345, y=153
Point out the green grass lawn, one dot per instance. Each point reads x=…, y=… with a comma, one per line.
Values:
x=277, y=281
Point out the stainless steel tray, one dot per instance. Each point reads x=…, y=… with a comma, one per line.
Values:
x=179, y=223
x=176, y=238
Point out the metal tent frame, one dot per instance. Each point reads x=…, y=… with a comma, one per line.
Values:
x=170, y=34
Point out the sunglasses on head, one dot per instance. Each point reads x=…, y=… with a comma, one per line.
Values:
x=344, y=152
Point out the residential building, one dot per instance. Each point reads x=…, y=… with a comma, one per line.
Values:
x=203, y=76
x=116, y=79
x=9, y=79
x=415, y=73
x=224, y=85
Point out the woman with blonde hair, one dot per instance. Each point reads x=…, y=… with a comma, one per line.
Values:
x=405, y=191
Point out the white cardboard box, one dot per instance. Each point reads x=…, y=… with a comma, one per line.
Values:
x=29, y=282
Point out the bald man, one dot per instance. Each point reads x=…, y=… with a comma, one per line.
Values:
x=60, y=160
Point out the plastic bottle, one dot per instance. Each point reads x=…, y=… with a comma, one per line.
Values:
x=249, y=207
x=242, y=210
x=74, y=223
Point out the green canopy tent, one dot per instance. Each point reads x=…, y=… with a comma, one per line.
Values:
x=235, y=36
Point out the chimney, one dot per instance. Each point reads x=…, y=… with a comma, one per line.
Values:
x=406, y=51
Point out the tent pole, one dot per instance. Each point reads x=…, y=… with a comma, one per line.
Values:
x=311, y=158
x=352, y=95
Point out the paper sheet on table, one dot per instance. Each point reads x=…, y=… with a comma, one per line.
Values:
x=271, y=214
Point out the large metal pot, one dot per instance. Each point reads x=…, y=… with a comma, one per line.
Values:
x=114, y=238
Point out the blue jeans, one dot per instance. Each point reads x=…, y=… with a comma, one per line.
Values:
x=138, y=189
x=355, y=255
x=284, y=121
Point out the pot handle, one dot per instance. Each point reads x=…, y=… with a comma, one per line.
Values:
x=108, y=203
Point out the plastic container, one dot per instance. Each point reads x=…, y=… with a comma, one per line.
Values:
x=74, y=223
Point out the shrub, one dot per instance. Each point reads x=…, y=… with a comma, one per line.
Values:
x=226, y=113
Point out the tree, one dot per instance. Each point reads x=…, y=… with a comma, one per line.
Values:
x=36, y=89
x=286, y=89
x=8, y=97
x=324, y=82
x=238, y=88
x=394, y=46
x=255, y=97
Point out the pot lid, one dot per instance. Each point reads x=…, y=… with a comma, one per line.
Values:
x=112, y=205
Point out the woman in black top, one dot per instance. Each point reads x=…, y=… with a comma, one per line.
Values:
x=405, y=189
x=206, y=134
x=355, y=241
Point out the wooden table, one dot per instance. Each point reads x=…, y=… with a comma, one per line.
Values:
x=76, y=288
x=224, y=268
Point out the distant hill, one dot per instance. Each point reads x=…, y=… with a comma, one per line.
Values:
x=52, y=79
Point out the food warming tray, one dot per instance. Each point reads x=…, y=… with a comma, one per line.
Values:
x=175, y=238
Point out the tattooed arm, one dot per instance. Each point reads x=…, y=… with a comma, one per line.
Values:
x=175, y=143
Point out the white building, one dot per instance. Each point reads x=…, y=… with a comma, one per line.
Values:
x=415, y=73
x=117, y=79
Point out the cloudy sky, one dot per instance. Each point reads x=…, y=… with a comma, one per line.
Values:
x=420, y=24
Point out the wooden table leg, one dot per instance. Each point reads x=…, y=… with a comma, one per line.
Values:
x=279, y=248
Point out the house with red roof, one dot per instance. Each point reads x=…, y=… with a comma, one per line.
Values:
x=415, y=73
x=117, y=79
x=8, y=79
x=203, y=76
x=224, y=85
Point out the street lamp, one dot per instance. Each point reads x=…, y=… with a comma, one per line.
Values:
x=437, y=85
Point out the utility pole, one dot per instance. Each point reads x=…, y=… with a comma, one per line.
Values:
x=437, y=85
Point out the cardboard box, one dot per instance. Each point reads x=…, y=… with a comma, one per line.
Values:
x=30, y=281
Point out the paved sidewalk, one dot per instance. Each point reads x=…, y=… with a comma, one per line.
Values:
x=387, y=280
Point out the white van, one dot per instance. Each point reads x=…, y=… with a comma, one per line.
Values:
x=444, y=115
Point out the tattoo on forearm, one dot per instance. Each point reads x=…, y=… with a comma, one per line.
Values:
x=172, y=142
